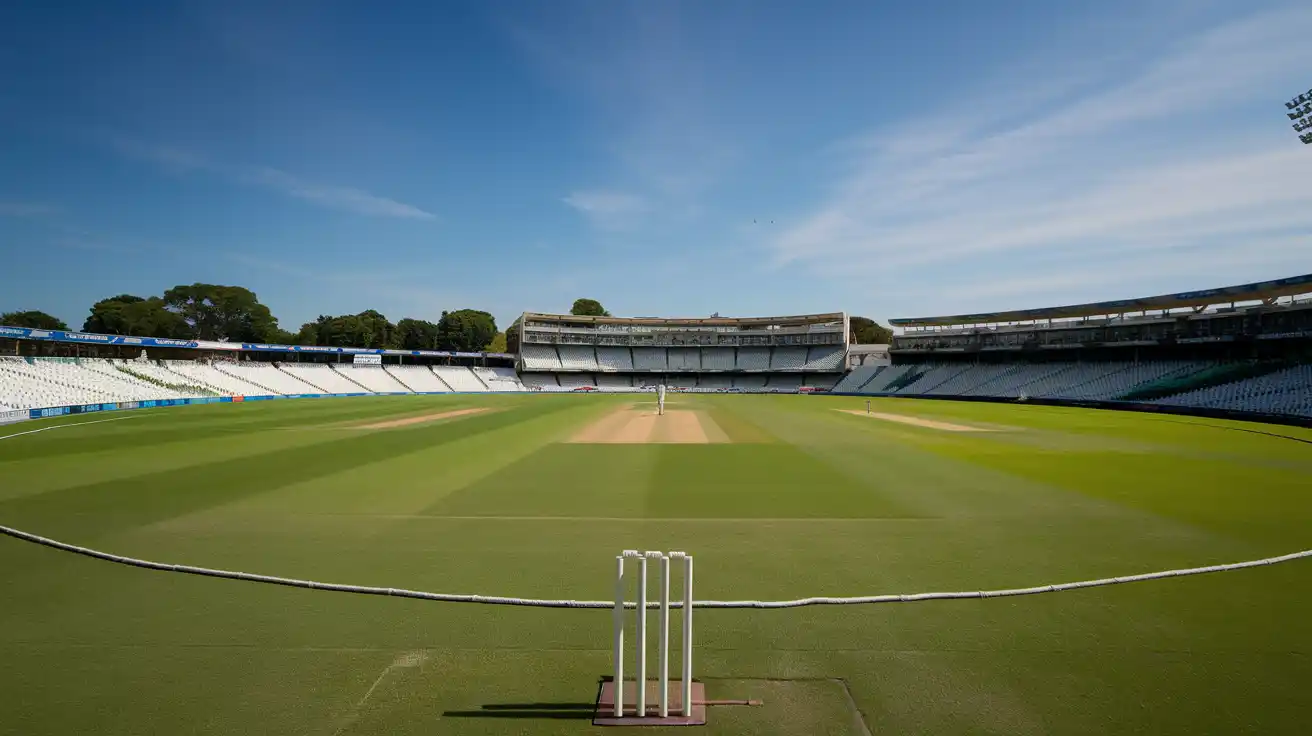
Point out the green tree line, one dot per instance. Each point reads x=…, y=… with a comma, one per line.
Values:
x=234, y=313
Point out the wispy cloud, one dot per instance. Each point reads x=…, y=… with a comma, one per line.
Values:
x=347, y=199
x=649, y=91
x=1179, y=165
x=608, y=210
x=28, y=209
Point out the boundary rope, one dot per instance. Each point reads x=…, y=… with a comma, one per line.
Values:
x=549, y=603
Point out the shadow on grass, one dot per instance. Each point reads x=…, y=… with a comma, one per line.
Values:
x=551, y=711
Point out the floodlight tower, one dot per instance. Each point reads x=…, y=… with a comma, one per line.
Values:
x=1300, y=111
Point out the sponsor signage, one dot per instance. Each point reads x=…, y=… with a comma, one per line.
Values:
x=367, y=359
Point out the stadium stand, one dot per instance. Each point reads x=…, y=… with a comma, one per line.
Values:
x=499, y=379
x=577, y=357
x=604, y=381
x=684, y=359
x=650, y=359
x=322, y=376
x=619, y=360
x=711, y=380
x=1285, y=391
x=753, y=359
x=418, y=378
x=788, y=359
x=824, y=359
x=267, y=376
x=857, y=378
x=460, y=378
x=541, y=381
x=752, y=381
x=540, y=358
x=372, y=377
x=206, y=374
x=718, y=359
x=784, y=381
x=575, y=380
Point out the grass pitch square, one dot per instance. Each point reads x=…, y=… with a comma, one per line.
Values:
x=802, y=500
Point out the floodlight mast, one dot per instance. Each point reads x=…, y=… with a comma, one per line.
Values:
x=1300, y=111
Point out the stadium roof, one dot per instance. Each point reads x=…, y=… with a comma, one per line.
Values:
x=701, y=321
x=1246, y=292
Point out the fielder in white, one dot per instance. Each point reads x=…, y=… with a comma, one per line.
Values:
x=660, y=399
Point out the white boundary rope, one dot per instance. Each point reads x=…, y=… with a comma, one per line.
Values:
x=61, y=426
x=548, y=603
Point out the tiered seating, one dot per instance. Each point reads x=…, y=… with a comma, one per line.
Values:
x=61, y=382
x=323, y=377
x=605, y=381
x=717, y=359
x=824, y=359
x=419, y=378
x=650, y=359
x=1287, y=391
x=978, y=376
x=881, y=381
x=268, y=376
x=539, y=357
x=134, y=388
x=714, y=381
x=577, y=357
x=155, y=370
x=619, y=360
x=206, y=374
x=460, y=379
x=540, y=380
x=825, y=382
x=1031, y=380
x=784, y=381
x=932, y=377
x=575, y=380
x=372, y=377
x=858, y=377
x=787, y=359
x=499, y=379
x=684, y=359
x=756, y=381
x=753, y=359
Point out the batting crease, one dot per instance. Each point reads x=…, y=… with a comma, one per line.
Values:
x=552, y=603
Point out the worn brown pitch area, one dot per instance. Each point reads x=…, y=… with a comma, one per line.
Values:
x=605, y=713
x=407, y=421
x=632, y=425
x=917, y=421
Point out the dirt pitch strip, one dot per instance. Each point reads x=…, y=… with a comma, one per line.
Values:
x=422, y=419
x=631, y=426
x=917, y=421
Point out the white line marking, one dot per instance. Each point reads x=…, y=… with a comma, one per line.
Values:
x=404, y=661
x=639, y=519
x=61, y=426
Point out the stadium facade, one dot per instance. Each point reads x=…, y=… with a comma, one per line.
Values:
x=1242, y=350
x=782, y=354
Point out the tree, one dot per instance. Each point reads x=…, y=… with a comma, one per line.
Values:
x=588, y=308
x=498, y=344
x=416, y=334
x=32, y=319
x=465, y=330
x=222, y=312
x=126, y=314
x=368, y=329
x=866, y=331
x=512, y=336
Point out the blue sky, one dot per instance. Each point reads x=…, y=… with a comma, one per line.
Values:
x=888, y=159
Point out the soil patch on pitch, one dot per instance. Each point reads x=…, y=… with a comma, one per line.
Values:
x=421, y=419
x=632, y=425
x=917, y=421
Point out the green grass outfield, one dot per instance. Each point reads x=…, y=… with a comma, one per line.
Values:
x=804, y=501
